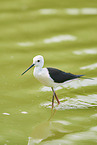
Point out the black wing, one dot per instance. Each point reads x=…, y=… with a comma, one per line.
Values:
x=59, y=76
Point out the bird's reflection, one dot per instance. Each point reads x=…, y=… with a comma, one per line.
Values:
x=48, y=130
x=42, y=131
x=53, y=112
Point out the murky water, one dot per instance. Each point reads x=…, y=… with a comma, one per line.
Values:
x=66, y=35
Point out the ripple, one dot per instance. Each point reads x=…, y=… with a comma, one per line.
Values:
x=86, y=51
x=60, y=38
x=90, y=67
x=47, y=11
x=69, y=11
x=24, y=44
x=89, y=134
x=79, y=102
x=63, y=122
x=94, y=115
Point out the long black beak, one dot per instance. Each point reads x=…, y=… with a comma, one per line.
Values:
x=27, y=69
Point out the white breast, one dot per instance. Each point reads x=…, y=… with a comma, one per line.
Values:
x=43, y=76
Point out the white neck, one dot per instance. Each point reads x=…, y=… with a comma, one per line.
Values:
x=37, y=70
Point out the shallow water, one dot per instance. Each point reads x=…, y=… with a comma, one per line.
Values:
x=26, y=117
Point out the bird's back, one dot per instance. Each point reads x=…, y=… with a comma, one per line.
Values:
x=60, y=76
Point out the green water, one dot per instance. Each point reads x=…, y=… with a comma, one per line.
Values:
x=28, y=119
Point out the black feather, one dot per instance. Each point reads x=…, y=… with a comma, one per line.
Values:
x=60, y=76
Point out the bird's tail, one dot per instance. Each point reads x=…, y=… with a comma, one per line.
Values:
x=82, y=76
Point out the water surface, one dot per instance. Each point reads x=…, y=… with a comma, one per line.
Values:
x=25, y=104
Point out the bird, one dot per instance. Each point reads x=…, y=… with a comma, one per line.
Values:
x=49, y=76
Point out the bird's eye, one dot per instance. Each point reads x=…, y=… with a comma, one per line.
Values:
x=38, y=60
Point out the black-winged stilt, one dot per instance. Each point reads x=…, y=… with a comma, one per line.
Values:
x=50, y=77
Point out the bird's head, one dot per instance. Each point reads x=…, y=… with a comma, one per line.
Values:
x=38, y=61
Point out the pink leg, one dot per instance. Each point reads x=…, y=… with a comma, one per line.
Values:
x=57, y=99
x=54, y=94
